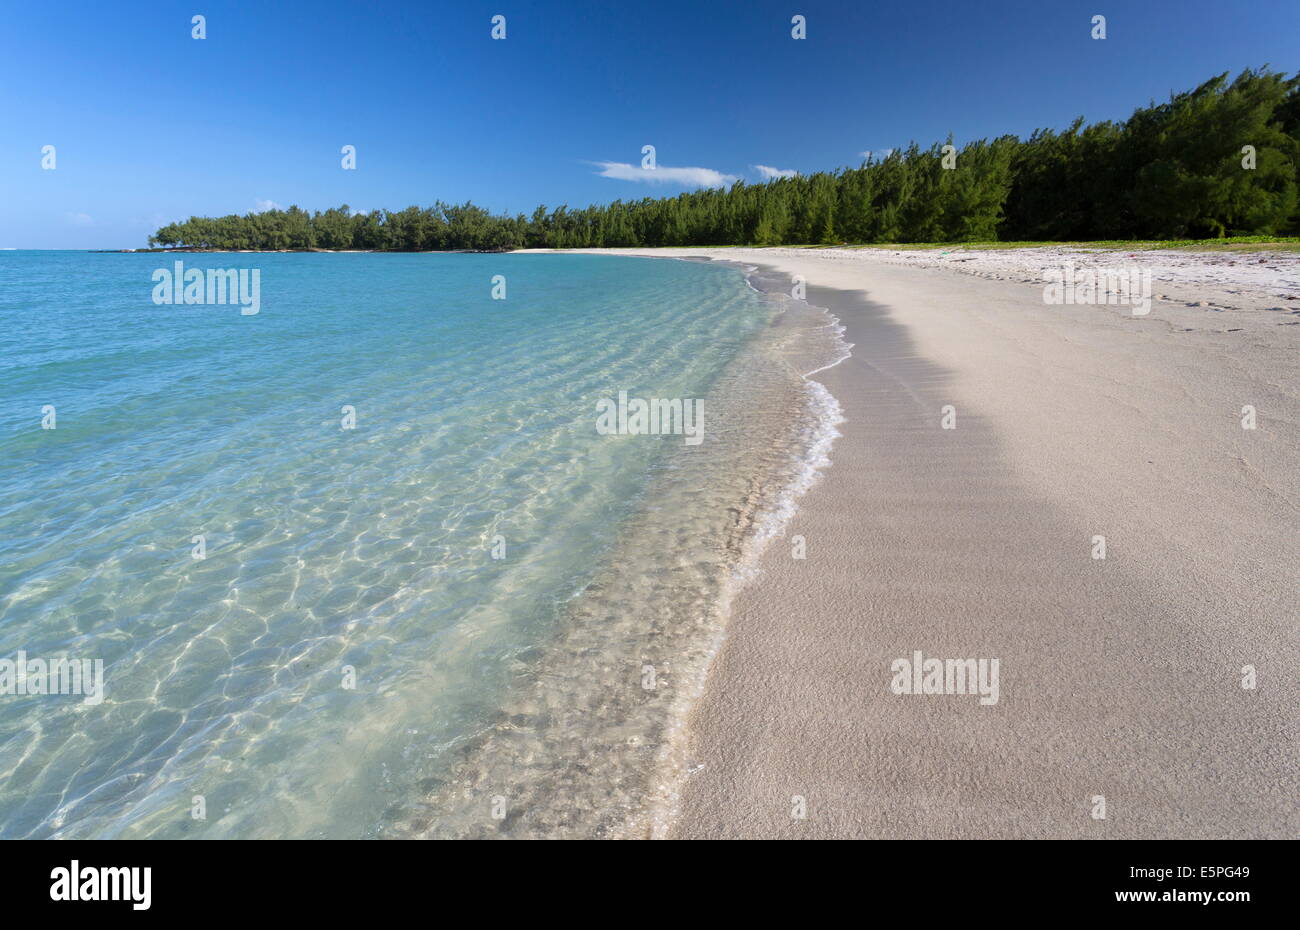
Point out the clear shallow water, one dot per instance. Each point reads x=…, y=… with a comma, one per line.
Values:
x=482, y=684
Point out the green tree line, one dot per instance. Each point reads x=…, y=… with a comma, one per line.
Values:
x=1174, y=170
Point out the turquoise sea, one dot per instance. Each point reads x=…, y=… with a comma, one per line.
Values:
x=469, y=614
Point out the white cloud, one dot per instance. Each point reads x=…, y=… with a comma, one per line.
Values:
x=689, y=177
x=769, y=173
x=264, y=205
x=880, y=153
x=81, y=219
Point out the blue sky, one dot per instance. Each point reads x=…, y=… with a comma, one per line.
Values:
x=151, y=125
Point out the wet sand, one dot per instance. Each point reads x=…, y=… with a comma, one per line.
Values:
x=1119, y=677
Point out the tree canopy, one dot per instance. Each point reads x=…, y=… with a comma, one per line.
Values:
x=1173, y=170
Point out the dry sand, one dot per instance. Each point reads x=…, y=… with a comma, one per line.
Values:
x=1119, y=677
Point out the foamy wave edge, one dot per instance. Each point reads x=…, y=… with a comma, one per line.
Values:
x=675, y=765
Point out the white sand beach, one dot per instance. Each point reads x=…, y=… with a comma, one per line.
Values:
x=1120, y=677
